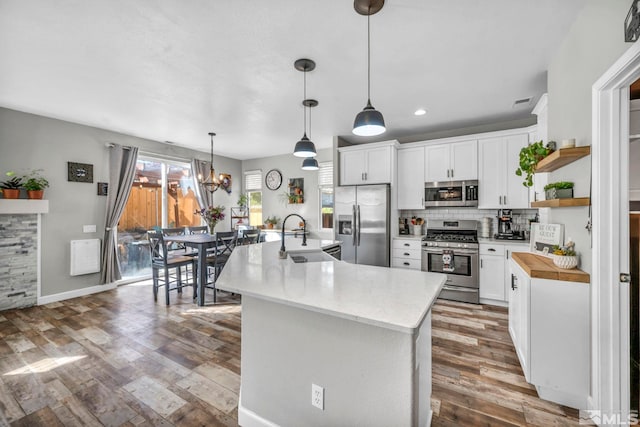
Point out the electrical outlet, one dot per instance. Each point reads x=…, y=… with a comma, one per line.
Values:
x=317, y=396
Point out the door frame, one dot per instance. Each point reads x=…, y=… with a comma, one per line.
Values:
x=610, y=201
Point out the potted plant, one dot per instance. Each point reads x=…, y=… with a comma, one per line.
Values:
x=35, y=184
x=272, y=221
x=565, y=256
x=558, y=190
x=11, y=187
x=243, y=200
x=529, y=158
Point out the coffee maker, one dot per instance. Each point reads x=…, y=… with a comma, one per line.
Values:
x=505, y=226
x=505, y=220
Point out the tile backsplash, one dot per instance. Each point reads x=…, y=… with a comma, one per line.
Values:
x=468, y=213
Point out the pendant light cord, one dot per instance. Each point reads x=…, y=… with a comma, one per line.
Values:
x=369, y=55
x=304, y=107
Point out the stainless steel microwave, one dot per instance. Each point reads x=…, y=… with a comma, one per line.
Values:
x=450, y=193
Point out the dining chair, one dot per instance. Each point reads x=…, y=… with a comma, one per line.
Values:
x=200, y=229
x=250, y=237
x=217, y=257
x=169, y=266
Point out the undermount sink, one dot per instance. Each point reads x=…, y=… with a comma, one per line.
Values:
x=309, y=256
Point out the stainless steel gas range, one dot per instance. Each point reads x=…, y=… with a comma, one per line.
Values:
x=451, y=247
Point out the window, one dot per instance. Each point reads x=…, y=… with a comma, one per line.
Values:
x=325, y=184
x=253, y=188
x=161, y=196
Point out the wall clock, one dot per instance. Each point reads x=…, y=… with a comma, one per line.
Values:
x=273, y=179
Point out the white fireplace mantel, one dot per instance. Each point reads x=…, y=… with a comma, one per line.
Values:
x=23, y=206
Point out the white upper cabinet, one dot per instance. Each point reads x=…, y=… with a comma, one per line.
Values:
x=456, y=161
x=499, y=186
x=411, y=178
x=366, y=165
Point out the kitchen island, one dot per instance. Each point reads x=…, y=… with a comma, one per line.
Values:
x=362, y=333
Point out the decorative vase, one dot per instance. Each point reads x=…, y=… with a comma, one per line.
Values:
x=212, y=227
x=565, y=262
x=10, y=193
x=35, y=194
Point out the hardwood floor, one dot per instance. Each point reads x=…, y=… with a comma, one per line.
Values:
x=118, y=358
x=477, y=379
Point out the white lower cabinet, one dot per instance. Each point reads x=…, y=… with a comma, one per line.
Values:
x=495, y=278
x=549, y=326
x=492, y=272
x=406, y=253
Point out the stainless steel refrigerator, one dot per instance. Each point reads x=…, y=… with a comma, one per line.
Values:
x=362, y=223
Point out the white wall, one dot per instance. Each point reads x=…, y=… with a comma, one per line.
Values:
x=274, y=203
x=29, y=141
x=594, y=42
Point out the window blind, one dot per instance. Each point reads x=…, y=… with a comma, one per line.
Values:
x=325, y=174
x=253, y=180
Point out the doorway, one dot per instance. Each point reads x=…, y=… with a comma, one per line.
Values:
x=610, y=293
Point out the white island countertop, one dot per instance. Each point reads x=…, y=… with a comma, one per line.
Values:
x=392, y=298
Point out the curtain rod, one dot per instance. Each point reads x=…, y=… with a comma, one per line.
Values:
x=111, y=145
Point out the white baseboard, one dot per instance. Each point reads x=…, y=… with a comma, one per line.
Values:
x=494, y=302
x=75, y=293
x=248, y=418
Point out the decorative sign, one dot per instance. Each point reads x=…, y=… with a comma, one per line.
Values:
x=632, y=23
x=545, y=236
x=79, y=172
x=103, y=188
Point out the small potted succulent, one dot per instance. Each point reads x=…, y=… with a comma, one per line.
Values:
x=558, y=190
x=565, y=256
x=272, y=221
x=11, y=187
x=35, y=184
x=529, y=158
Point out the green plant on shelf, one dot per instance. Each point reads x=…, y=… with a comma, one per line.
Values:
x=13, y=182
x=529, y=158
x=562, y=185
x=34, y=181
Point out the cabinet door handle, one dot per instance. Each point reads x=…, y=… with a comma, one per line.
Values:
x=491, y=250
x=499, y=200
x=447, y=173
x=481, y=264
x=451, y=173
x=507, y=253
x=407, y=244
x=407, y=254
x=505, y=199
x=406, y=263
x=514, y=285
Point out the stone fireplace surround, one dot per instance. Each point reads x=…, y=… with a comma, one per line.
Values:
x=20, y=234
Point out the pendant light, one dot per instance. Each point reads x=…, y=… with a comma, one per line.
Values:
x=369, y=121
x=310, y=163
x=305, y=147
x=212, y=182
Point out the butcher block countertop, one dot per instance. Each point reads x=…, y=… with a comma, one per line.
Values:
x=541, y=267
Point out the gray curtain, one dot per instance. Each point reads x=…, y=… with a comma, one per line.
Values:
x=122, y=170
x=204, y=196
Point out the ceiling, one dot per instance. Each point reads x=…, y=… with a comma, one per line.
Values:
x=172, y=70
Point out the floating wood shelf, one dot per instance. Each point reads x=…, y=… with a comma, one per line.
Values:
x=558, y=203
x=562, y=157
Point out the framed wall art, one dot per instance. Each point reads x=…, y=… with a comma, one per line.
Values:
x=296, y=190
x=79, y=172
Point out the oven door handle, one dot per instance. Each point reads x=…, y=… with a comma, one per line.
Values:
x=455, y=251
x=459, y=289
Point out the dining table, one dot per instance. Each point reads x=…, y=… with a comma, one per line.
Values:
x=200, y=242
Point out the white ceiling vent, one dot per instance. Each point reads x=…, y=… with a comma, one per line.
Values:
x=522, y=102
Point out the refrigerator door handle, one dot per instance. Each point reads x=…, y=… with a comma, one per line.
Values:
x=354, y=230
x=358, y=227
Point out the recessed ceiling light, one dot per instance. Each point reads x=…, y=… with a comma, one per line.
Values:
x=420, y=112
